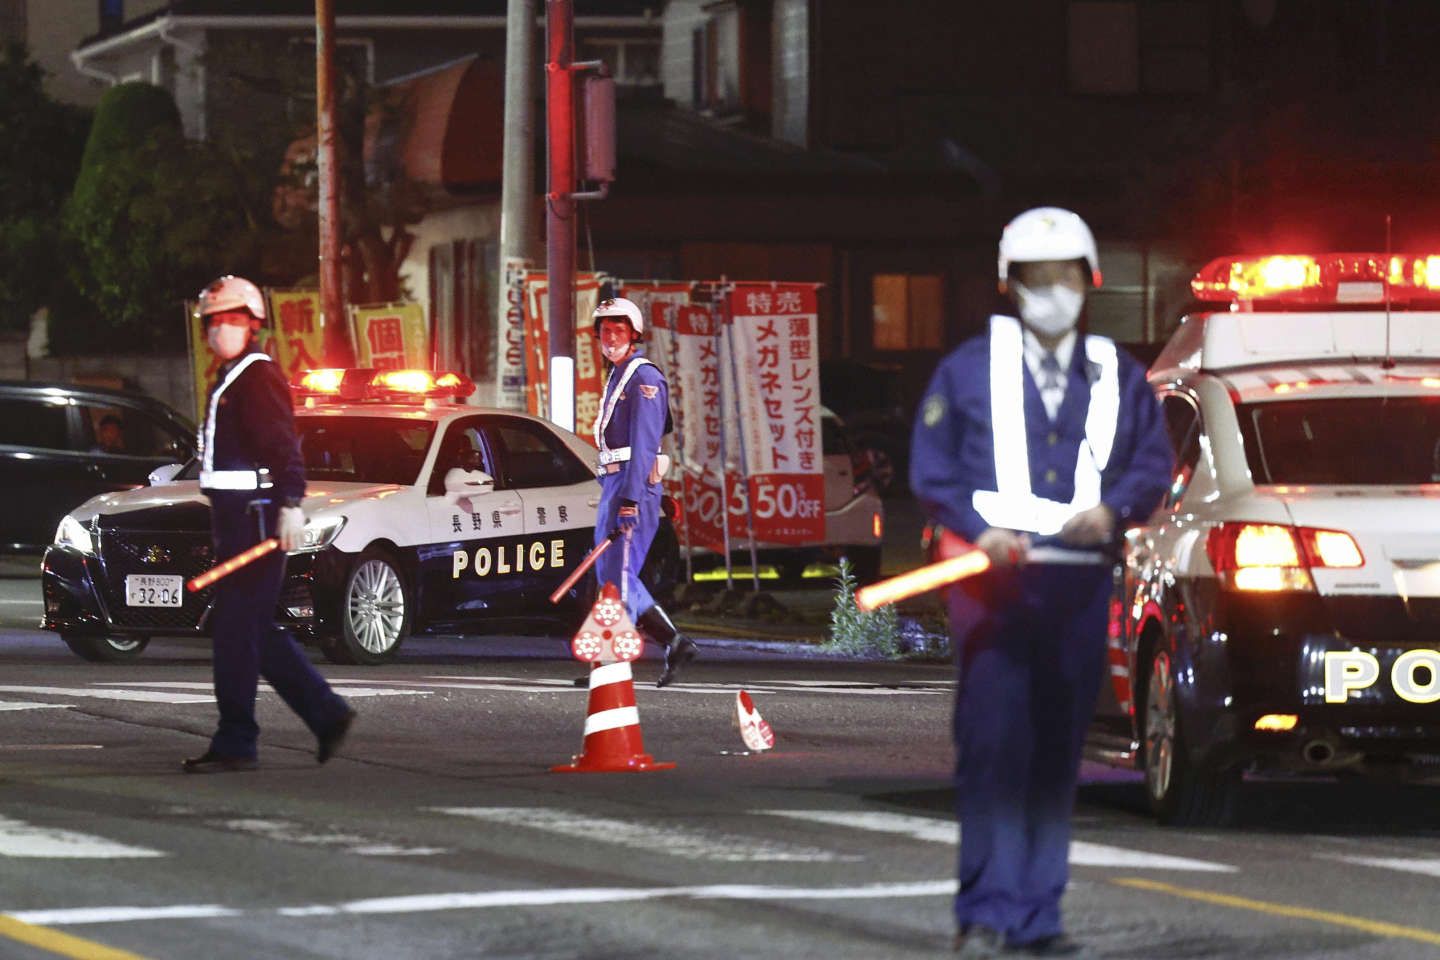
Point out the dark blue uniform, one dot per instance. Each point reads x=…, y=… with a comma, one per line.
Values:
x=640, y=418
x=249, y=440
x=1030, y=642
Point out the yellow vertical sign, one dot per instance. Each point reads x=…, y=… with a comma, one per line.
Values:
x=391, y=336
x=299, y=331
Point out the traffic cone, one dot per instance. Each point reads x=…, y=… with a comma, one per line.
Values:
x=753, y=729
x=608, y=641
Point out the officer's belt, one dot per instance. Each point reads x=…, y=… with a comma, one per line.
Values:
x=1061, y=555
x=609, y=468
x=235, y=479
x=617, y=455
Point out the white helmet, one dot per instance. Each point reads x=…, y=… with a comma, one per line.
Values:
x=620, y=307
x=1047, y=233
x=232, y=293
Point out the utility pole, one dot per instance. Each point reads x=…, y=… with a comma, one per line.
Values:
x=332, y=306
x=560, y=208
x=517, y=191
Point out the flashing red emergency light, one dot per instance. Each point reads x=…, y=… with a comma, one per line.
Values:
x=364, y=383
x=422, y=383
x=1320, y=278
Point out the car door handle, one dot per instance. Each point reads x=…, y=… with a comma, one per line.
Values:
x=511, y=511
x=593, y=502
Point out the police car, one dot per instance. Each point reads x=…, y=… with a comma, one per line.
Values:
x=424, y=515
x=1281, y=611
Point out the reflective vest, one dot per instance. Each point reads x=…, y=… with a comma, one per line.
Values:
x=210, y=478
x=608, y=400
x=1012, y=505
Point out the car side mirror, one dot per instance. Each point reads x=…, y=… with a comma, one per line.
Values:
x=166, y=474
x=461, y=483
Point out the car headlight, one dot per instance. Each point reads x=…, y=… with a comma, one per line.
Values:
x=72, y=533
x=319, y=533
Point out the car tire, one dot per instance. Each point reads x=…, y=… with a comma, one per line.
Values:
x=105, y=648
x=1180, y=793
x=376, y=610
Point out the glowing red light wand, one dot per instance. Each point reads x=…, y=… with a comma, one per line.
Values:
x=585, y=565
x=929, y=577
x=231, y=565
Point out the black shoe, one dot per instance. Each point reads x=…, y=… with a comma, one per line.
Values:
x=977, y=942
x=679, y=650
x=212, y=762
x=332, y=739
x=1059, y=945
x=679, y=653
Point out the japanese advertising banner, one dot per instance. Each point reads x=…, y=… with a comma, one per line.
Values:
x=204, y=364
x=299, y=342
x=391, y=336
x=772, y=329
x=589, y=375
x=510, y=365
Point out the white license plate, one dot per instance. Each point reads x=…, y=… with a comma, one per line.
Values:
x=152, y=590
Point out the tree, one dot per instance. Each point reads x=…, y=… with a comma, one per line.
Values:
x=152, y=218
x=40, y=145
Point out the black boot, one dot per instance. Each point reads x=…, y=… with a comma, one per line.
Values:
x=679, y=649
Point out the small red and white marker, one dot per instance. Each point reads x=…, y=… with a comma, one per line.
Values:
x=753, y=729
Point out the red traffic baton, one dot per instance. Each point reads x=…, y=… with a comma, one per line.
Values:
x=233, y=564
x=585, y=565
x=929, y=577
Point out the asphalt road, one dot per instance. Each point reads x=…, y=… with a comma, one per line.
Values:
x=441, y=832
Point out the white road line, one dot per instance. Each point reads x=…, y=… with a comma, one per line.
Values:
x=78, y=915
x=728, y=689
x=688, y=844
x=935, y=830
x=21, y=839
x=26, y=603
x=30, y=705
x=141, y=696
x=284, y=831
x=490, y=899
x=1429, y=868
x=350, y=691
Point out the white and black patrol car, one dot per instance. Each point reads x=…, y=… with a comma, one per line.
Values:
x=424, y=515
x=1281, y=611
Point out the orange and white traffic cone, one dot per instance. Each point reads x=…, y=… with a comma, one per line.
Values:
x=608, y=641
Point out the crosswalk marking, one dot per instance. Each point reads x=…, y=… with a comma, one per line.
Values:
x=21, y=839
x=6, y=705
x=82, y=915
x=285, y=831
x=689, y=844
x=1427, y=867
x=100, y=693
x=1082, y=853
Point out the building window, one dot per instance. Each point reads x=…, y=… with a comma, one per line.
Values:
x=908, y=311
x=717, y=61
x=1123, y=47
x=112, y=15
x=632, y=61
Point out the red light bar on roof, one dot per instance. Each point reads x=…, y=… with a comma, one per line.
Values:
x=1322, y=278
x=421, y=383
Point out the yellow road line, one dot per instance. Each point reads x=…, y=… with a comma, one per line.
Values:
x=62, y=944
x=1378, y=927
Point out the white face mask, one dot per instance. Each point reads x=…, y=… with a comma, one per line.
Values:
x=1050, y=311
x=228, y=339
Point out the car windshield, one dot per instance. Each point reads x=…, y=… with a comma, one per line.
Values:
x=1352, y=440
x=364, y=449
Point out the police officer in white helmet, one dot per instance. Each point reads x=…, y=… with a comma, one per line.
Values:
x=1037, y=444
x=251, y=470
x=634, y=417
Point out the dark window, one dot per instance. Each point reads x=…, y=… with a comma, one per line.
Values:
x=125, y=431
x=1357, y=440
x=112, y=15
x=1124, y=47
x=1182, y=423
x=34, y=423
x=532, y=456
x=832, y=438
x=465, y=446
x=364, y=449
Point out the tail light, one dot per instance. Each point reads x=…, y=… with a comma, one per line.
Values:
x=1273, y=557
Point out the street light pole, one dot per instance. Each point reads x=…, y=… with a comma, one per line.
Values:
x=332, y=307
x=517, y=188
x=560, y=208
